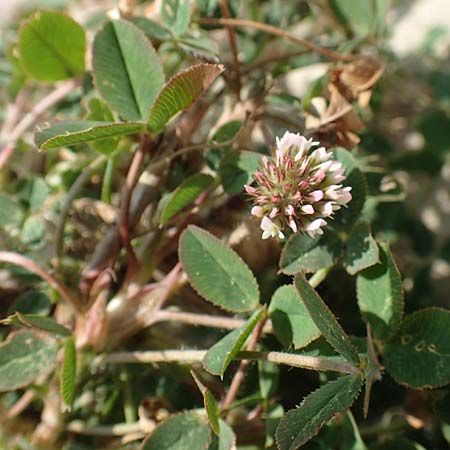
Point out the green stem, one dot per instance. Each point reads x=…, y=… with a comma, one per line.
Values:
x=319, y=276
x=129, y=408
x=107, y=180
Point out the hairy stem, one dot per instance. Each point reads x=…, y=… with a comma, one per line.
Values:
x=29, y=119
x=118, y=429
x=195, y=356
x=224, y=323
x=30, y=265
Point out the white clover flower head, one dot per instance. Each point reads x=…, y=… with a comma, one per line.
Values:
x=298, y=187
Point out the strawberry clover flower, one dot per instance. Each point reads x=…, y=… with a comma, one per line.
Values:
x=299, y=187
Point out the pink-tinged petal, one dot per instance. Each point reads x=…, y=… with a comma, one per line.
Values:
x=338, y=177
x=266, y=224
x=249, y=189
x=274, y=213
x=265, y=161
x=325, y=166
x=289, y=210
x=336, y=165
x=275, y=198
x=301, y=152
x=318, y=176
x=293, y=225
x=303, y=184
x=307, y=209
x=262, y=198
x=298, y=196
x=257, y=211
x=259, y=177
x=315, y=225
x=314, y=233
x=331, y=192
x=320, y=155
x=345, y=196
x=316, y=196
x=290, y=140
x=327, y=209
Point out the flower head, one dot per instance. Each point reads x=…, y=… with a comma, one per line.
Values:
x=298, y=187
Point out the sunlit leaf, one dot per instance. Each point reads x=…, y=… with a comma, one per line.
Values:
x=52, y=46
x=127, y=71
x=181, y=91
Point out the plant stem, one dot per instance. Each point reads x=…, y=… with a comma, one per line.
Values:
x=242, y=369
x=330, y=54
x=196, y=147
x=30, y=265
x=224, y=323
x=129, y=409
x=194, y=356
x=233, y=45
x=318, y=277
x=70, y=197
x=118, y=429
x=29, y=119
x=124, y=221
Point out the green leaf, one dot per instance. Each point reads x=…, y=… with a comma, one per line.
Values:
x=39, y=193
x=419, y=355
x=179, y=432
x=10, y=211
x=69, y=372
x=291, y=321
x=380, y=295
x=303, y=253
x=99, y=111
x=212, y=411
x=268, y=377
x=354, y=14
x=152, y=29
x=226, y=132
x=52, y=46
x=349, y=214
x=41, y=323
x=216, y=272
x=33, y=230
x=300, y=425
x=361, y=249
x=23, y=357
x=325, y=320
x=127, y=71
x=68, y=133
x=176, y=15
x=32, y=302
x=185, y=194
x=237, y=169
x=181, y=91
x=226, y=439
x=220, y=355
